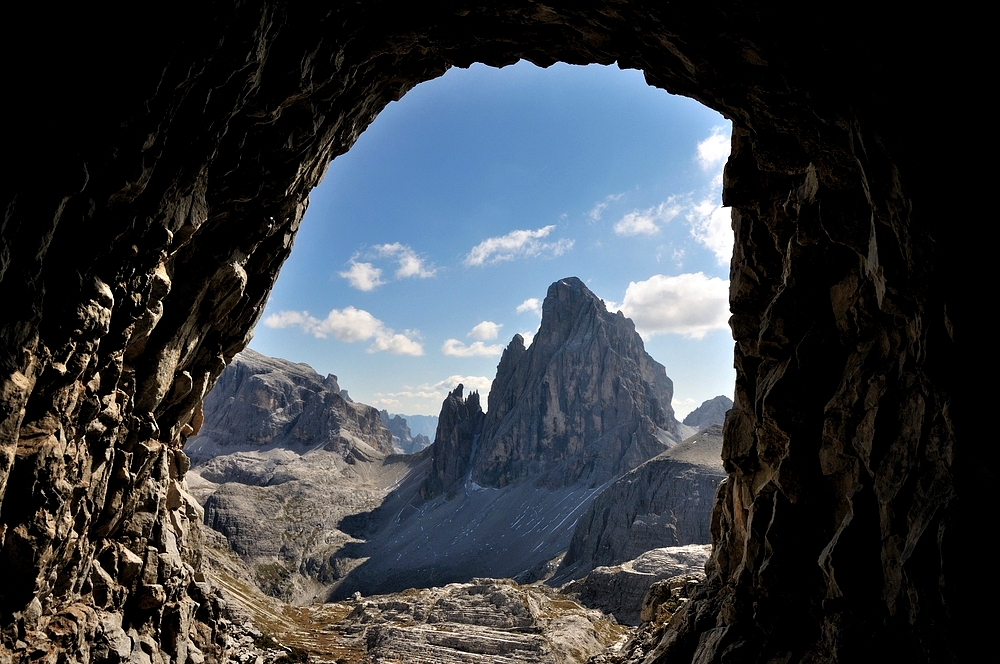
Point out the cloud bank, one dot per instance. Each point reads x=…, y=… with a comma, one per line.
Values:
x=349, y=325
x=689, y=304
x=363, y=276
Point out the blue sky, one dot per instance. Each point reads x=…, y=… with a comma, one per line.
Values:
x=432, y=242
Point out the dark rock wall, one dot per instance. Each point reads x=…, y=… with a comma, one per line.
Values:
x=160, y=164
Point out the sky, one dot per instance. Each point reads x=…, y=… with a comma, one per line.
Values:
x=433, y=240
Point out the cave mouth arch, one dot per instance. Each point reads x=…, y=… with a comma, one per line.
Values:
x=609, y=169
x=138, y=264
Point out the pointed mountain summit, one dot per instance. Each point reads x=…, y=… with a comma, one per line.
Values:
x=503, y=490
x=583, y=402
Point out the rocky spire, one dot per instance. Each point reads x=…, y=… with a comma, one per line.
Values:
x=584, y=401
x=459, y=426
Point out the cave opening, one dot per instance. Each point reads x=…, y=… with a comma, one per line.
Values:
x=158, y=195
x=431, y=243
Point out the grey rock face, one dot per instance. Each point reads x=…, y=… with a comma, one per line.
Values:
x=584, y=403
x=263, y=402
x=459, y=427
x=667, y=501
x=403, y=439
x=620, y=589
x=712, y=411
x=281, y=460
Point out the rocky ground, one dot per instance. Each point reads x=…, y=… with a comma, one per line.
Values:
x=483, y=621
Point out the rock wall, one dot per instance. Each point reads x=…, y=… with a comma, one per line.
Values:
x=665, y=502
x=161, y=162
x=265, y=402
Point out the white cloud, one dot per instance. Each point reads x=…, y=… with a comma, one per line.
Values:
x=481, y=383
x=688, y=304
x=517, y=244
x=363, y=276
x=598, y=209
x=528, y=338
x=349, y=325
x=410, y=264
x=485, y=331
x=455, y=348
x=682, y=408
x=647, y=222
x=711, y=225
x=714, y=150
x=439, y=390
x=532, y=304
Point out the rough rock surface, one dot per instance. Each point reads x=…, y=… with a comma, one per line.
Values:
x=403, y=440
x=666, y=501
x=568, y=415
x=662, y=602
x=620, y=589
x=460, y=425
x=485, y=620
x=263, y=403
x=281, y=459
x=584, y=402
x=163, y=159
x=712, y=411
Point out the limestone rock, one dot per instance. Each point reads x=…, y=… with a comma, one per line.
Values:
x=281, y=460
x=712, y=411
x=505, y=488
x=620, y=589
x=584, y=402
x=460, y=425
x=403, y=439
x=264, y=402
x=666, y=502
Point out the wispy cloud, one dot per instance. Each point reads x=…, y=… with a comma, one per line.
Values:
x=485, y=331
x=648, y=222
x=689, y=304
x=438, y=391
x=455, y=348
x=531, y=305
x=714, y=150
x=597, y=211
x=515, y=245
x=711, y=225
x=350, y=325
x=363, y=276
x=410, y=264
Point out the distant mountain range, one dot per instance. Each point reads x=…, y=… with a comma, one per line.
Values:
x=310, y=490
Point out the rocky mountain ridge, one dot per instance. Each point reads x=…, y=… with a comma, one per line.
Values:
x=404, y=441
x=665, y=502
x=504, y=489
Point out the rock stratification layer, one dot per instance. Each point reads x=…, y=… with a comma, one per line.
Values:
x=164, y=158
